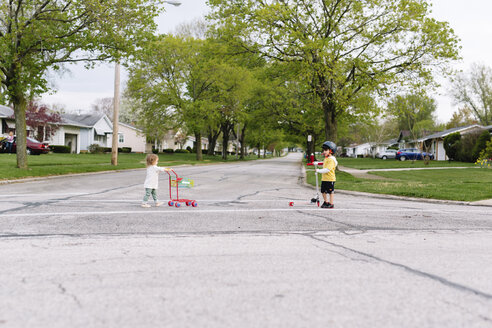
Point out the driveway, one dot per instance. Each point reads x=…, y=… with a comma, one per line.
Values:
x=79, y=251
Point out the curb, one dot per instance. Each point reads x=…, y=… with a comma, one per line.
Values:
x=394, y=197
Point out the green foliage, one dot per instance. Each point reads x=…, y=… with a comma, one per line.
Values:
x=168, y=151
x=452, y=145
x=474, y=90
x=60, y=149
x=181, y=151
x=341, y=51
x=466, y=147
x=37, y=36
x=486, y=154
x=413, y=112
x=95, y=149
x=481, y=144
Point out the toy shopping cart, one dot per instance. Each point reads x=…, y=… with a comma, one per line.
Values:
x=175, y=182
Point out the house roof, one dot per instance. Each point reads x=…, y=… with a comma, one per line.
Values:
x=130, y=126
x=6, y=111
x=85, y=119
x=449, y=131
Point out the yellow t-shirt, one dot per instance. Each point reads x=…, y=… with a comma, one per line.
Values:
x=330, y=163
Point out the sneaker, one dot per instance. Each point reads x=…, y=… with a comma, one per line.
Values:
x=157, y=204
x=327, y=205
x=145, y=205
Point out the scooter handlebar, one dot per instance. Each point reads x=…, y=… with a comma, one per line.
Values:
x=311, y=164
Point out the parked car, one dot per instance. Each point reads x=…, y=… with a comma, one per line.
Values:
x=388, y=153
x=411, y=153
x=34, y=147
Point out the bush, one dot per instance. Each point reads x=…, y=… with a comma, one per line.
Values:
x=126, y=149
x=481, y=144
x=168, y=150
x=452, y=145
x=182, y=151
x=95, y=148
x=155, y=151
x=60, y=149
x=190, y=150
x=465, y=152
x=487, y=152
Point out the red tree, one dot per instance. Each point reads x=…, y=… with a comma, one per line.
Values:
x=41, y=120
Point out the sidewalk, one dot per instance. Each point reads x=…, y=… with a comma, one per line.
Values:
x=365, y=175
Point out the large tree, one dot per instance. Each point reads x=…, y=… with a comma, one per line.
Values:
x=474, y=90
x=37, y=35
x=342, y=47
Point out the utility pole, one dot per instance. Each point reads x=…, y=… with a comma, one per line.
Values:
x=116, y=110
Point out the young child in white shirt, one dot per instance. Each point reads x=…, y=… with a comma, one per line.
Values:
x=152, y=179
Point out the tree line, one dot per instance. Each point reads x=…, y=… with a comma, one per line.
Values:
x=265, y=73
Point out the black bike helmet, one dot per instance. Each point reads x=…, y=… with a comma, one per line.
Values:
x=330, y=145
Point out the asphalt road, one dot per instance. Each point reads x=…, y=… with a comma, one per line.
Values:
x=79, y=251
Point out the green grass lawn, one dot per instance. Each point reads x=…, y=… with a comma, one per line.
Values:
x=376, y=163
x=468, y=184
x=58, y=164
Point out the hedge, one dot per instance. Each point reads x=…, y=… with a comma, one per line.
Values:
x=60, y=149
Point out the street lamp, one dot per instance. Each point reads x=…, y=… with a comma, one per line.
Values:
x=116, y=102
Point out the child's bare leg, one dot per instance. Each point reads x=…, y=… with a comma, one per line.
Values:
x=331, y=198
x=325, y=197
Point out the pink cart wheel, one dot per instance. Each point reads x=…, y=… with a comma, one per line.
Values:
x=194, y=204
x=170, y=203
x=177, y=204
x=188, y=203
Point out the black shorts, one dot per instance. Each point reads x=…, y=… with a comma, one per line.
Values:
x=327, y=187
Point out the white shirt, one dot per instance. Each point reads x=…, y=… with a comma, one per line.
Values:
x=152, y=178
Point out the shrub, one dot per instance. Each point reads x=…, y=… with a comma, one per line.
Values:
x=452, y=145
x=60, y=149
x=168, y=150
x=466, y=145
x=95, y=148
x=190, y=150
x=155, y=151
x=126, y=149
x=481, y=144
x=182, y=151
x=487, y=152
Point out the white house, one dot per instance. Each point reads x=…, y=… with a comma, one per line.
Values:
x=436, y=140
x=7, y=120
x=368, y=149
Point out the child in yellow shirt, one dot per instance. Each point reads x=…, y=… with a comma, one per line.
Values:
x=328, y=173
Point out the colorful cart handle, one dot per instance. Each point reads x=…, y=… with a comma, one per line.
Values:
x=311, y=164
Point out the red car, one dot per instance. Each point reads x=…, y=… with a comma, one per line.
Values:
x=34, y=147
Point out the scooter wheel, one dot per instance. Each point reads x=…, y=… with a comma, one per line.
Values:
x=313, y=200
x=170, y=203
x=194, y=204
x=291, y=203
x=318, y=203
x=177, y=204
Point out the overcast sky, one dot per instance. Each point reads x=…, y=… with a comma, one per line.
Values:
x=80, y=88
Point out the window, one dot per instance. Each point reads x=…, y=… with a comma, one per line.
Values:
x=121, y=138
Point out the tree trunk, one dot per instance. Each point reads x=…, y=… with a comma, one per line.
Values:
x=20, y=104
x=259, y=149
x=241, y=140
x=225, y=127
x=212, y=141
x=330, y=117
x=198, y=143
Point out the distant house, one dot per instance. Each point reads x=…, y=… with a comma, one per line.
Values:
x=132, y=137
x=7, y=120
x=94, y=129
x=368, y=149
x=436, y=140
